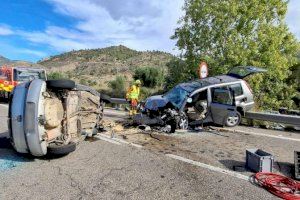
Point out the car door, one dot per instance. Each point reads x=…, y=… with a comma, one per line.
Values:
x=242, y=72
x=222, y=104
x=238, y=92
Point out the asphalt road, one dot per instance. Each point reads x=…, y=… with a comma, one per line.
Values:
x=102, y=170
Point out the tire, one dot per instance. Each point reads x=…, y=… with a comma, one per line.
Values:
x=233, y=119
x=61, y=84
x=183, y=123
x=61, y=149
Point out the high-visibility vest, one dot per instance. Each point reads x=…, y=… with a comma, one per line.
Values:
x=133, y=92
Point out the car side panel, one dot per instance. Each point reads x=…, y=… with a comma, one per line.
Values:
x=17, y=118
x=248, y=103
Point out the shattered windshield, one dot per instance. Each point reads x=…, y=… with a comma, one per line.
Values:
x=176, y=96
x=27, y=75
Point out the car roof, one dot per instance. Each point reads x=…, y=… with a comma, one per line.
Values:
x=200, y=83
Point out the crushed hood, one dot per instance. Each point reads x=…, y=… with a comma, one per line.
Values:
x=156, y=102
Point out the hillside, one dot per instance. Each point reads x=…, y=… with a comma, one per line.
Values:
x=101, y=65
x=6, y=61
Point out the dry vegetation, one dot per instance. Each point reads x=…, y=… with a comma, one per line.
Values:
x=96, y=67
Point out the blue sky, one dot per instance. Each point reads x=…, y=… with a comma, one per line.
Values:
x=34, y=29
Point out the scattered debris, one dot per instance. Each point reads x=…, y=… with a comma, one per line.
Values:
x=144, y=127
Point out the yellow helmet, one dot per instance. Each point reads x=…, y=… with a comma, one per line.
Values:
x=138, y=82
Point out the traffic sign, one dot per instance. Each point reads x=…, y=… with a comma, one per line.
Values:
x=203, y=70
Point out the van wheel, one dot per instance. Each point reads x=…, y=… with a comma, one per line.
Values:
x=233, y=119
x=54, y=149
x=61, y=84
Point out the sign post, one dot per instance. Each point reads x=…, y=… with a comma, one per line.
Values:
x=203, y=70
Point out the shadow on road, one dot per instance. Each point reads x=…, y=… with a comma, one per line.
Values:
x=234, y=165
x=287, y=169
x=9, y=158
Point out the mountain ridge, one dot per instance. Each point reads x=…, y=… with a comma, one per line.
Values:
x=103, y=64
x=98, y=66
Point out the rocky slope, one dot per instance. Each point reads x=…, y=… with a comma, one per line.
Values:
x=102, y=65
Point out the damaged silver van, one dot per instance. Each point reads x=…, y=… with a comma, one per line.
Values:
x=52, y=116
x=219, y=99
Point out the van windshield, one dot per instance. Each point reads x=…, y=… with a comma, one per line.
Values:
x=176, y=96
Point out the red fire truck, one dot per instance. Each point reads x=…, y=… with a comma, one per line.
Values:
x=12, y=76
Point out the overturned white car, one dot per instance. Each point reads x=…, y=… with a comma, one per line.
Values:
x=52, y=116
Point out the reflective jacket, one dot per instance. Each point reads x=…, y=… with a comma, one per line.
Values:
x=133, y=92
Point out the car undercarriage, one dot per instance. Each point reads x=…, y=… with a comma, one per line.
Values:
x=53, y=116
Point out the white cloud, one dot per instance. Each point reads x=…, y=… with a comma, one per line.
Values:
x=138, y=24
x=5, y=30
x=54, y=40
x=32, y=52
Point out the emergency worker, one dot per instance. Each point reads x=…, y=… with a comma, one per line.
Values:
x=132, y=96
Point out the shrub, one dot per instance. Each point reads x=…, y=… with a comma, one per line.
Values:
x=117, y=87
x=56, y=75
x=150, y=76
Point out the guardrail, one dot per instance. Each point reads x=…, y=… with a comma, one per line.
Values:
x=118, y=101
x=279, y=118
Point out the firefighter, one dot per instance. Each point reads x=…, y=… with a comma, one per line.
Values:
x=132, y=96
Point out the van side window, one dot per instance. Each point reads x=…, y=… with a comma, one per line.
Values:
x=237, y=89
x=222, y=95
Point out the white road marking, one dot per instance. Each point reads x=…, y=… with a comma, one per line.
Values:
x=263, y=134
x=199, y=164
x=210, y=167
x=107, y=140
x=121, y=141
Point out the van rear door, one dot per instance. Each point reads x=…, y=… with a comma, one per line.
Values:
x=241, y=72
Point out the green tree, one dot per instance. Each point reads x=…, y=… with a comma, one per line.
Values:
x=178, y=72
x=150, y=76
x=117, y=87
x=227, y=33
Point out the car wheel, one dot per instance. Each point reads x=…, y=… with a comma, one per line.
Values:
x=183, y=123
x=54, y=149
x=61, y=84
x=233, y=119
